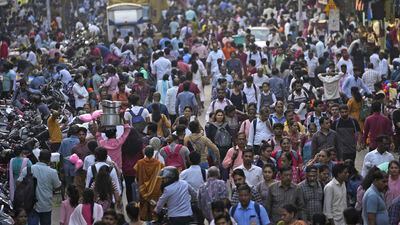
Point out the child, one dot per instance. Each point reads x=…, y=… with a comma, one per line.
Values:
x=307, y=151
x=266, y=97
x=69, y=204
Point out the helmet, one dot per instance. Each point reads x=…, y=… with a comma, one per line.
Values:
x=171, y=173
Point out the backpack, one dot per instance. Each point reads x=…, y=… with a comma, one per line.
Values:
x=222, y=137
x=352, y=120
x=309, y=92
x=364, y=112
x=173, y=157
x=255, y=126
x=25, y=192
x=94, y=173
x=256, y=207
x=213, y=104
x=137, y=120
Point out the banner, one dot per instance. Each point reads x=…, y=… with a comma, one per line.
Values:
x=334, y=20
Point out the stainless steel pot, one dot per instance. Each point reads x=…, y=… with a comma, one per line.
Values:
x=110, y=116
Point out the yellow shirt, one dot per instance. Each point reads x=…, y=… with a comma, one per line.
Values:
x=54, y=130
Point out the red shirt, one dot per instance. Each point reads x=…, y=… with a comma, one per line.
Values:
x=4, y=50
x=193, y=88
x=375, y=125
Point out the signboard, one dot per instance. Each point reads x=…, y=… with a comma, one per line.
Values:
x=323, y=2
x=334, y=20
x=331, y=5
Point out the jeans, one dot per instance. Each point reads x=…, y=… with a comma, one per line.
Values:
x=129, y=180
x=43, y=217
x=184, y=220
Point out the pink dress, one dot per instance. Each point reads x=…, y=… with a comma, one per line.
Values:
x=393, y=192
x=65, y=212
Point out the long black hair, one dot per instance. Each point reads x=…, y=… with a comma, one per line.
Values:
x=133, y=143
x=73, y=195
x=156, y=113
x=103, y=183
x=356, y=94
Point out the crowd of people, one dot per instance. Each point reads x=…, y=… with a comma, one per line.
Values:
x=216, y=129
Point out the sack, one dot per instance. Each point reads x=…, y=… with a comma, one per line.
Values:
x=364, y=112
x=25, y=192
x=223, y=137
x=173, y=157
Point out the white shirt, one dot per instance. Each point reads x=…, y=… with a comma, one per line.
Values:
x=135, y=110
x=262, y=132
x=31, y=57
x=171, y=99
x=335, y=201
x=320, y=49
x=311, y=65
x=257, y=56
x=79, y=90
x=348, y=63
x=374, y=59
x=258, y=81
x=251, y=93
x=212, y=59
x=374, y=158
x=217, y=105
x=162, y=66
x=331, y=86
x=383, y=68
x=370, y=77
x=90, y=160
x=65, y=76
x=253, y=176
x=193, y=176
x=113, y=175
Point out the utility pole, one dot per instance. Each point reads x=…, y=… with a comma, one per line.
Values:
x=300, y=15
x=48, y=9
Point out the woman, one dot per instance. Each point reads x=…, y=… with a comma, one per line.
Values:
x=188, y=114
x=232, y=119
x=68, y=205
x=265, y=156
x=355, y=104
x=132, y=211
x=288, y=216
x=19, y=162
x=366, y=183
x=122, y=97
x=352, y=183
x=306, y=152
x=296, y=138
x=218, y=132
x=297, y=173
x=394, y=182
x=286, y=147
x=262, y=187
x=322, y=158
x=196, y=141
x=131, y=153
x=163, y=124
x=88, y=212
x=197, y=76
x=105, y=189
x=162, y=87
x=112, y=81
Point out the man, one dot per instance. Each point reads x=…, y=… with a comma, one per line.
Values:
x=255, y=55
x=177, y=195
x=394, y=209
x=102, y=159
x=247, y=211
x=251, y=90
x=177, y=155
x=284, y=192
x=320, y=47
x=170, y=99
x=162, y=66
x=149, y=184
x=234, y=66
x=324, y=138
x=383, y=68
x=316, y=115
x=213, y=56
x=239, y=178
x=137, y=116
x=185, y=98
x=54, y=131
x=65, y=150
x=260, y=78
x=234, y=158
x=335, y=195
x=371, y=77
x=348, y=134
x=374, y=210
x=82, y=150
x=211, y=191
x=220, y=75
x=47, y=181
x=312, y=63
x=313, y=193
x=345, y=59
x=157, y=101
x=218, y=103
x=141, y=88
x=254, y=174
x=355, y=81
x=277, y=85
x=300, y=98
x=375, y=125
x=378, y=156
x=260, y=129
x=330, y=81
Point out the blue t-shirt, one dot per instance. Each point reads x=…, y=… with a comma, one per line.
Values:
x=7, y=78
x=373, y=202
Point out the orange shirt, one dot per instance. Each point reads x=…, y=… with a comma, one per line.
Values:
x=227, y=51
